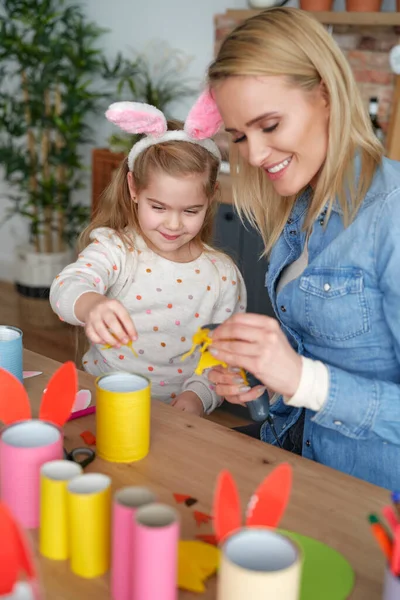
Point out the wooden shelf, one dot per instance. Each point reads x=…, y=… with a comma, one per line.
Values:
x=389, y=19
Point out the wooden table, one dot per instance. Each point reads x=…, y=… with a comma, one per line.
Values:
x=186, y=455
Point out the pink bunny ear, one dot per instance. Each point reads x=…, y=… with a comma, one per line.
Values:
x=137, y=117
x=269, y=501
x=14, y=401
x=227, y=517
x=203, y=120
x=59, y=396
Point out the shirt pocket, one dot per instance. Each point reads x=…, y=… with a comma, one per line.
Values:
x=335, y=304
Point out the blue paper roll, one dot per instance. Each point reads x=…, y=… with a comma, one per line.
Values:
x=11, y=350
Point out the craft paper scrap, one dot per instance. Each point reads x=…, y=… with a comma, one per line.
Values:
x=201, y=517
x=82, y=400
x=197, y=561
x=29, y=374
x=88, y=438
x=180, y=498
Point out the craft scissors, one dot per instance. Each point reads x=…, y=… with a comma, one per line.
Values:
x=74, y=455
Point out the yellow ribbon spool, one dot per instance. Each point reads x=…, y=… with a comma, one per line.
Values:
x=123, y=403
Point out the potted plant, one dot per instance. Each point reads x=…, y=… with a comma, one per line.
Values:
x=48, y=57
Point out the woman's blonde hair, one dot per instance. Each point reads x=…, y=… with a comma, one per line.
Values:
x=290, y=43
x=176, y=158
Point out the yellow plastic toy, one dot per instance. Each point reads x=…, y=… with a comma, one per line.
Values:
x=128, y=345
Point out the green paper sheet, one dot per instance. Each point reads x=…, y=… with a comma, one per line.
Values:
x=326, y=574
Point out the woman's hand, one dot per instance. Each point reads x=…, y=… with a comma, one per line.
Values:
x=257, y=344
x=230, y=385
x=189, y=402
x=106, y=321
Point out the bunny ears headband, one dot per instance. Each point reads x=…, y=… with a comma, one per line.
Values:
x=203, y=121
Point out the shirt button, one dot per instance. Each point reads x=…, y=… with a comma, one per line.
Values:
x=321, y=222
x=337, y=423
x=308, y=443
x=293, y=232
x=327, y=287
x=283, y=308
x=289, y=221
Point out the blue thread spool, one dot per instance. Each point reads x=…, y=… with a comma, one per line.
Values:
x=11, y=350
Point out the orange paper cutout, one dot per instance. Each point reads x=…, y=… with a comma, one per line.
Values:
x=201, y=517
x=14, y=401
x=180, y=498
x=88, y=438
x=59, y=397
x=271, y=498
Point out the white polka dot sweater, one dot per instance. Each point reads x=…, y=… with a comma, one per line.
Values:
x=167, y=301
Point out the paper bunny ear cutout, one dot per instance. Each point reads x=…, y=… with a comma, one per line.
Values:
x=203, y=120
x=137, y=117
x=266, y=506
x=15, y=554
x=57, y=400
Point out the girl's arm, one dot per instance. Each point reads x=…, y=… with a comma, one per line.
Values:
x=233, y=299
x=96, y=269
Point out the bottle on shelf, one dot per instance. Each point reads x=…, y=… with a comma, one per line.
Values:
x=373, y=113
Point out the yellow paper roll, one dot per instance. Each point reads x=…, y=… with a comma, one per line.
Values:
x=53, y=535
x=89, y=512
x=122, y=417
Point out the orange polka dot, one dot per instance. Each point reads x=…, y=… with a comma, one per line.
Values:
x=163, y=344
x=95, y=361
x=115, y=267
x=61, y=283
x=183, y=339
x=233, y=282
x=81, y=256
x=121, y=357
x=148, y=270
x=197, y=315
x=169, y=305
x=57, y=277
x=173, y=395
x=88, y=264
x=138, y=297
x=96, y=241
x=208, y=288
x=179, y=280
x=139, y=252
x=150, y=368
x=155, y=328
x=224, y=278
x=197, y=271
x=130, y=249
x=180, y=371
x=85, y=362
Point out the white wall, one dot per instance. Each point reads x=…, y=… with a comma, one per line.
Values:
x=185, y=24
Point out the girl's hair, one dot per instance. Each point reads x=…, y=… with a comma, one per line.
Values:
x=176, y=158
x=290, y=43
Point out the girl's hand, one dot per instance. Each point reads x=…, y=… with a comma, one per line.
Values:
x=257, y=343
x=230, y=385
x=106, y=321
x=189, y=402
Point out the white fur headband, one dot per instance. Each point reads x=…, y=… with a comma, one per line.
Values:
x=202, y=122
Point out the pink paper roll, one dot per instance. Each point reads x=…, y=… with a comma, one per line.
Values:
x=24, y=448
x=155, y=552
x=126, y=502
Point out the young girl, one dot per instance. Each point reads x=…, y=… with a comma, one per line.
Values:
x=146, y=279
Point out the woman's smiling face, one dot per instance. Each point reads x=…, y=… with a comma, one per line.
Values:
x=279, y=128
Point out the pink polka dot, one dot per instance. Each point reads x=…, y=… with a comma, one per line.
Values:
x=190, y=297
x=228, y=310
x=148, y=311
x=213, y=260
x=241, y=307
x=97, y=280
x=58, y=304
x=171, y=360
x=162, y=383
x=141, y=351
x=104, y=360
x=212, y=388
x=177, y=322
x=158, y=290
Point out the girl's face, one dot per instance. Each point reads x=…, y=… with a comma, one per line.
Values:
x=171, y=212
x=279, y=128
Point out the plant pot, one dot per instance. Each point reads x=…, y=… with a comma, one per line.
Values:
x=34, y=274
x=316, y=5
x=363, y=5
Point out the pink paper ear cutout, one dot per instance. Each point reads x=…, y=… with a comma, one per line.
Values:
x=203, y=120
x=14, y=401
x=59, y=397
x=137, y=117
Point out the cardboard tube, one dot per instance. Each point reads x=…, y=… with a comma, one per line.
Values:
x=11, y=350
x=24, y=448
x=155, y=551
x=126, y=503
x=89, y=512
x=391, y=586
x=54, y=477
x=122, y=417
x=259, y=564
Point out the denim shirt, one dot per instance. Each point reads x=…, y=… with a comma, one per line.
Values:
x=345, y=311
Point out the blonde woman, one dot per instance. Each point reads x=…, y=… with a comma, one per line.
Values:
x=310, y=175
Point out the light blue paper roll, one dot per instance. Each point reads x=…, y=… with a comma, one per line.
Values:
x=11, y=350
